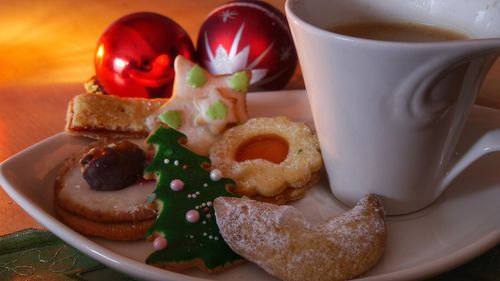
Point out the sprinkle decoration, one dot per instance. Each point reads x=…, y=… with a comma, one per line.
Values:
x=186, y=217
x=176, y=185
x=192, y=216
x=159, y=243
x=215, y=175
x=196, y=77
x=172, y=118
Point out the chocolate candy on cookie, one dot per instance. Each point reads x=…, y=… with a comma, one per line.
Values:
x=185, y=233
x=113, y=166
x=100, y=191
x=272, y=159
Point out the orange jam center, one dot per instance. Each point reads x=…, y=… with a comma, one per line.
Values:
x=272, y=148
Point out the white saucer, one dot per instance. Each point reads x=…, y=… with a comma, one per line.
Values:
x=459, y=226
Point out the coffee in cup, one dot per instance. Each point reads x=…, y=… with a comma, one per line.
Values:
x=397, y=31
x=388, y=114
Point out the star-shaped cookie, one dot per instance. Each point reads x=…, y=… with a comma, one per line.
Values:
x=202, y=105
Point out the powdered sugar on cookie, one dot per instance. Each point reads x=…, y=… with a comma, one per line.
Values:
x=285, y=244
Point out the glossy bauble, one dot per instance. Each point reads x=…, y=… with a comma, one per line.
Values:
x=135, y=55
x=248, y=35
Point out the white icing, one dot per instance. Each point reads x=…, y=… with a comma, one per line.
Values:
x=200, y=129
x=202, y=105
x=127, y=200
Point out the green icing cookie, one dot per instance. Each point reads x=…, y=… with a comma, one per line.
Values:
x=186, y=241
x=172, y=118
x=217, y=110
x=239, y=81
x=196, y=77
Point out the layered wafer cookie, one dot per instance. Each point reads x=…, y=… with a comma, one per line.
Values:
x=98, y=116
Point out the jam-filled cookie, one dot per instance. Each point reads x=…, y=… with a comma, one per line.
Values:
x=101, y=192
x=285, y=244
x=271, y=159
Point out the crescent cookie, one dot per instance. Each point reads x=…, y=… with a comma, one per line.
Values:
x=281, y=241
x=271, y=159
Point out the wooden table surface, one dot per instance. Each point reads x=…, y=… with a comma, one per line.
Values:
x=46, y=52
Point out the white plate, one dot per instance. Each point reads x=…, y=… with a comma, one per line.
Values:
x=462, y=224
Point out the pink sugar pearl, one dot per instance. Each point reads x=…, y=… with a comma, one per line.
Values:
x=159, y=243
x=192, y=216
x=176, y=185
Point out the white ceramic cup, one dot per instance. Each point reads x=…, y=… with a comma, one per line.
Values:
x=388, y=115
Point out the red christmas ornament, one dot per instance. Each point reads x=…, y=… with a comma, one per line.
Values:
x=248, y=35
x=135, y=55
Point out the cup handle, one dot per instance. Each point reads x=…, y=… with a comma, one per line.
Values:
x=489, y=142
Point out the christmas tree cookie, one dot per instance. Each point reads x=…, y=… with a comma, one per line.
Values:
x=185, y=233
x=202, y=105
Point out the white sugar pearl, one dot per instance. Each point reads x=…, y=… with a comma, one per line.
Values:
x=215, y=175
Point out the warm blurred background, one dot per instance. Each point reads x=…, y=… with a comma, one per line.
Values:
x=49, y=42
x=47, y=48
x=53, y=41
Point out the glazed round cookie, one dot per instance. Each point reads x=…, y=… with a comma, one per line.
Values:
x=102, y=209
x=271, y=159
